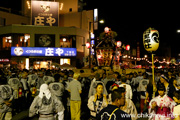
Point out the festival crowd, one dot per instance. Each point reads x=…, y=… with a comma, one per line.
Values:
x=106, y=95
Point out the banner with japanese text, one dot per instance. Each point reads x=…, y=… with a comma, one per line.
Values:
x=45, y=13
x=43, y=51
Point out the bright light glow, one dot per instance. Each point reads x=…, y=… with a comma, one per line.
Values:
x=159, y=67
x=101, y=21
x=95, y=15
x=127, y=47
x=43, y=64
x=28, y=4
x=9, y=37
x=119, y=43
x=88, y=45
x=178, y=31
x=63, y=61
x=64, y=39
x=10, y=41
x=99, y=56
x=145, y=56
x=26, y=36
x=61, y=6
x=27, y=63
x=92, y=36
x=106, y=29
x=95, y=12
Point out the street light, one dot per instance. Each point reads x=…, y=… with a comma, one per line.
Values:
x=64, y=39
x=101, y=21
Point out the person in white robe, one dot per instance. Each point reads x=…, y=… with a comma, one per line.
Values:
x=98, y=101
x=46, y=105
x=127, y=88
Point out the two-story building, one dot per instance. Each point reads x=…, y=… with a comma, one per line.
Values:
x=25, y=44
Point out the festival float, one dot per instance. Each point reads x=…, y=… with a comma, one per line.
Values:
x=108, y=50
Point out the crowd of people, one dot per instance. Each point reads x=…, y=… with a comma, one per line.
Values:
x=106, y=95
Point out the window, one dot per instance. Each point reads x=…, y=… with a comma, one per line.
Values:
x=24, y=41
x=2, y=21
x=19, y=40
x=65, y=41
x=7, y=42
x=65, y=61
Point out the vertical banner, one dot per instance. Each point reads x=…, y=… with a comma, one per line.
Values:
x=45, y=13
x=95, y=19
x=138, y=50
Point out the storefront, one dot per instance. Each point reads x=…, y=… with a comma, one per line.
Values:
x=39, y=47
x=4, y=63
x=43, y=57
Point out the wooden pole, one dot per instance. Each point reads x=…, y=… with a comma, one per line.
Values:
x=153, y=67
x=154, y=87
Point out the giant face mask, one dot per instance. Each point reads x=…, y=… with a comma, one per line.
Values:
x=151, y=39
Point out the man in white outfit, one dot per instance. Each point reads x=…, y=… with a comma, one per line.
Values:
x=46, y=105
x=127, y=88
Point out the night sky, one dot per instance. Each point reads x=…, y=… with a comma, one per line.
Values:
x=130, y=19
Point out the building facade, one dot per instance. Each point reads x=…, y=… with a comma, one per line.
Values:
x=17, y=31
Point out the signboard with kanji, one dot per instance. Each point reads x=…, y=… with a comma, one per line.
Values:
x=151, y=39
x=43, y=51
x=45, y=13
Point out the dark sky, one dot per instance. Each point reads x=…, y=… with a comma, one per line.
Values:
x=130, y=19
x=13, y=4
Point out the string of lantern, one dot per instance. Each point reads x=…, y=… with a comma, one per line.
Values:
x=145, y=59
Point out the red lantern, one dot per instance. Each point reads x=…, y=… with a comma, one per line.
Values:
x=127, y=47
x=106, y=29
x=88, y=45
x=119, y=43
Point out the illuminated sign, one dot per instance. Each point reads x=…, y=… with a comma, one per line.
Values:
x=45, y=13
x=95, y=19
x=151, y=39
x=4, y=60
x=43, y=51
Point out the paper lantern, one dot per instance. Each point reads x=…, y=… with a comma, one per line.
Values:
x=106, y=29
x=127, y=47
x=151, y=39
x=88, y=45
x=119, y=43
